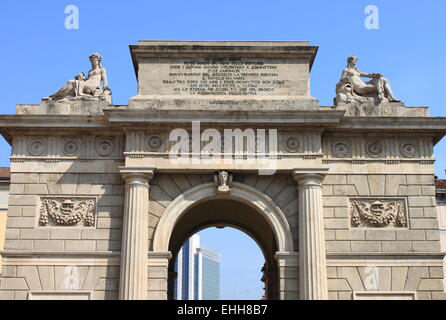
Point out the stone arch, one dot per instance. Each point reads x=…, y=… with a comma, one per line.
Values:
x=239, y=192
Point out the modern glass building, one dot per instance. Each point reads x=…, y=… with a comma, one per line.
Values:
x=198, y=272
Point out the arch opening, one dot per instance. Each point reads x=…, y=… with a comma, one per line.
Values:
x=245, y=209
x=228, y=265
x=227, y=213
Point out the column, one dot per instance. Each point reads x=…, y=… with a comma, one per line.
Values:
x=312, y=254
x=133, y=275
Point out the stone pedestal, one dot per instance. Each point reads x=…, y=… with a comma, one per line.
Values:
x=312, y=254
x=133, y=275
x=384, y=109
x=288, y=264
x=158, y=276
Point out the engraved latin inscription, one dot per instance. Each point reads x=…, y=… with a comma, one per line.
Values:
x=225, y=77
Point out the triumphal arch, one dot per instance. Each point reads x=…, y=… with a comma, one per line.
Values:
x=340, y=199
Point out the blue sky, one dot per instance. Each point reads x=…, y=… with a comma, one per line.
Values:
x=240, y=263
x=39, y=54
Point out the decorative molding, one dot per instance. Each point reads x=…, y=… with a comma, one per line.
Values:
x=384, y=295
x=67, y=147
x=71, y=148
x=427, y=162
x=154, y=143
x=136, y=156
x=67, y=211
x=408, y=149
x=375, y=148
x=131, y=173
x=292, y=144
x=381, y=259
x=341, y=149
x=379, y=212
x=360, y=256
x=59, y=295
x=104, y=147
x=159, y=259
x=287, y=259
x=37, y=146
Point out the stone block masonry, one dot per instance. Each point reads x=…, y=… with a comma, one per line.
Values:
x=344, y=209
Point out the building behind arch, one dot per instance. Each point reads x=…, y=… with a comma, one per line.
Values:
x=197, y=272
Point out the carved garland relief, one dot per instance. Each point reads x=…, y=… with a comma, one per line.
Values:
x=67, y=212
x=378, y=213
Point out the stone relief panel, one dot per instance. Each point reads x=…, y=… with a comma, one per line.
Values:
x=140, y=141
x=154, y=143
x=287, y=143
x=342, y=148
x=378, y=213
x=104, y=146
x=67, y=211
x=37, y=146
x=293, y=143
x=409, y=149
x=67, y=147
x=365, y=147
x=375, y=148
x=71, y=147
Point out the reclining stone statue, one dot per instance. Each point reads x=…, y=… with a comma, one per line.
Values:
x=83, y=88
x=351, y=88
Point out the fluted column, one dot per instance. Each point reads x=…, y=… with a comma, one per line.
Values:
x=134, y=250
x=312, y=254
